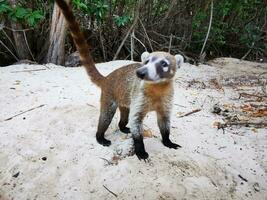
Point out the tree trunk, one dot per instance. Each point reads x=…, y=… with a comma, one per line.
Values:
x=22, y=49
x=56, y=49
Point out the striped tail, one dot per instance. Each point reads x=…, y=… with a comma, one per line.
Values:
x=81, y=44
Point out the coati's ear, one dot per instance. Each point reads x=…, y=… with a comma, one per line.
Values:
x=144, y=56
x=179, y=60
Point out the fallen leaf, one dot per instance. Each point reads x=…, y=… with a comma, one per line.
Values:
x=246, y=108
x=147, y=133
x=194, y=93
x=254, y=130
x=217, y=85
x=179, y=114
x=260, y=113
x=216, y=124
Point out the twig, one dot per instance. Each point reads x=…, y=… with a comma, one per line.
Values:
x=102, y=45
x=26, y=41
x=132, y=45
x=109, y=163
x=179, y=105
x=146, y=34
x=140, y=42
x=243, y=94
x=248, y=52
x=9, y=50
x=24, y=112
x=244, y=179
x=129, y=31
x=18, y=30
x=190, y=113
x=110, y=191
x=207, y=36
x=247, y=124
x=29, y=70
x=8, y=38
x=170, y=44
x=90, y=105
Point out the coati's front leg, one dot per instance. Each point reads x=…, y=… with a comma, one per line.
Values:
x=163, y=119
x=124, y=119
x=139, y=146
x=136, y=122
x=107, y=111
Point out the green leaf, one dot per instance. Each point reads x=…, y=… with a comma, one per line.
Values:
x=31, y=21
x=20, y=12
x=4, y=8
x=37, y=14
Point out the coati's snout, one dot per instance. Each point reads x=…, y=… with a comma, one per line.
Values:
x=158, y=66
x=142, y=72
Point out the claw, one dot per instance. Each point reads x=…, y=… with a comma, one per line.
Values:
x=103, y=141
x=171, y=145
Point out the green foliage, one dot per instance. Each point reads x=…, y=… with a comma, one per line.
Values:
x=4, y=7
x=122, y=20
x=80, y=5
x=22, y=14
x=99, y=10
x=237, y=25
x=231, y=19
x=96, y=8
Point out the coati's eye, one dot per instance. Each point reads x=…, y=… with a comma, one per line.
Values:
x=146, y=61
x=163, y=63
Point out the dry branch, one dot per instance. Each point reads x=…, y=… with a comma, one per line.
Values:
x=208, y=33
x=243, y=94
x=132, y=45
x=24, y=112
x=27, y=44
x=110, y=191
x=3, y=44
x=146, y=35
x=190, y=113
x=29, y=70
x=246, y=124
x=170, y=44
x=128, y=32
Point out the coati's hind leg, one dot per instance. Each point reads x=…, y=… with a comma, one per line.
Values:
x=163, y=119
x=124, y=119
x=107, y=111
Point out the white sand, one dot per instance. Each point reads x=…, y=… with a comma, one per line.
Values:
x=63, y=130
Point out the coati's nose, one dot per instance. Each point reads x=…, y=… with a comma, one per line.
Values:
x=141, y=73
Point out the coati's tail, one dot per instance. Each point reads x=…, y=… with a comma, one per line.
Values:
x=81, y=44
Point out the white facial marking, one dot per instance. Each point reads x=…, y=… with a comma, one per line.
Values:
x=151, y=69
x=166, y=68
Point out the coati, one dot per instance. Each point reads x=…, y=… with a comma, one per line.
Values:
x=135, y=89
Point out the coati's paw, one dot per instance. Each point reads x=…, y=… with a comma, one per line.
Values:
x=141, y=155
x=103, y=141
x=125, y=130
x=171, y=145
x=140, y=149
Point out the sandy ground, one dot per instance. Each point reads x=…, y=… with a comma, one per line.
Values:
x=50, y=152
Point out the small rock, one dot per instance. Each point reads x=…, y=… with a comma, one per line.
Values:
x=16, y=175
x=216, y=109
x=256, y=187
x=73, y=60
x=44, y=158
